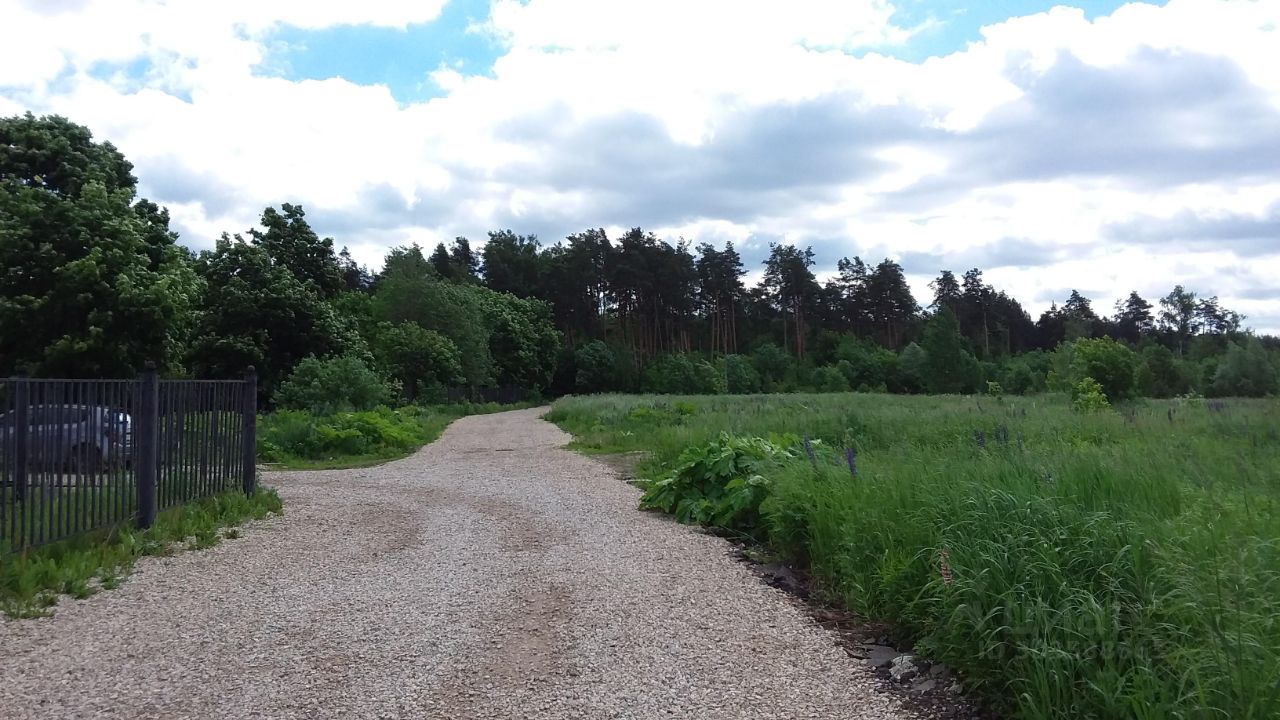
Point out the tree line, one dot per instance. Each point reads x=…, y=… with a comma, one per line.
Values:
x=94, y=283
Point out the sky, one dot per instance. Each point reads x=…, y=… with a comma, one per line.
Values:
x=1099, y=146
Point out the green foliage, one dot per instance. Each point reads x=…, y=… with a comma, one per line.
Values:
x=741, y=377
x=1105, y=565
x=1087, y=396
x=721, y=483
x=682, y=374
x=914, y=368
x=522, y=339
x=331, y=385
x=1108, y=362
x=865, y=365
x=1246, y=371
x=951, y=368
x=829, y=379
x=772, y=363
x=596, y=368
x=91, y=285
x=1159, y=374
x=411, y=292
x=31, y=582
x=424, y=361
x=300, y=439
x=291, y=244
x=255, y=312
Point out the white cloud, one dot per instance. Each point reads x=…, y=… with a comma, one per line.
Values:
x=1031, y=152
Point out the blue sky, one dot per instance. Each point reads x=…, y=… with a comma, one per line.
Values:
x=402, y=58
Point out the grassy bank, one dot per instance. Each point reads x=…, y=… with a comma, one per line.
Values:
x=1117, y=564
x=297, y=440
x=32, y=582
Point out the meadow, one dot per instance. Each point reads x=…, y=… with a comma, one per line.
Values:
x=1123, y=563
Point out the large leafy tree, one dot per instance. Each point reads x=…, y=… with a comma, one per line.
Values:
x=511, y=263
x=292, y=244
x=422, y=360
x=92, y=283
x=256, y=312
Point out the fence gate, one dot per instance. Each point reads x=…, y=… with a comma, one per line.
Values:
x=79, y=455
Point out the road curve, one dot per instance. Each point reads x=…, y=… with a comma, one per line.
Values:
x=493, y=574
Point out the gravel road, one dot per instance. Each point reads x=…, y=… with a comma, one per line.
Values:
x=491, y=575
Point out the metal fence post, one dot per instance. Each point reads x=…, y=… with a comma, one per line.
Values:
x=21, y=406
x=146, y=443
x=250, y=434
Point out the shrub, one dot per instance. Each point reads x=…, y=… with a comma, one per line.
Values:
x=340, y=384
x=721, y=483
x=1246, y=371
x=682, y=374
x=740, y=376
x=422, y=360
x=1087, y=396
x=1108, y=362
x=914, y=368
x=829, y=379
x=773, y=363
x=596, y=368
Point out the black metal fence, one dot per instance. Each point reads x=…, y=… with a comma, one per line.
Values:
x=505, y=395
x=79, y=455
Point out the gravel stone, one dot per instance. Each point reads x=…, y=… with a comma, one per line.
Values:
x=491, y=575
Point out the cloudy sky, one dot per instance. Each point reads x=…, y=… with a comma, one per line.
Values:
x=1101, y=146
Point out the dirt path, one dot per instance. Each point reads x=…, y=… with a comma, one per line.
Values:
x=491, y=575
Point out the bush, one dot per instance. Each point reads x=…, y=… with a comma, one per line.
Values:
x=1087, y=396
x=682, y=374
x=1245, y=371
x=424, y=361
x=772, y=363
x=596, y=371
x=340, y=384
x=741, y=377
x=1108, y=362
x=829, y=379
x=914, y=368
x=721, y=483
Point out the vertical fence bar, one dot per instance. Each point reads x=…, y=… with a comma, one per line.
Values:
x=21, y=411
x=147, y=434
x=249, y=425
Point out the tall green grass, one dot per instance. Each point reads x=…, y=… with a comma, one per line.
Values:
x=297, y=439
x=1116, y=565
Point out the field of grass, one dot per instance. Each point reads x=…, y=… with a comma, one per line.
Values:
x=298, y=440
x=31, y=582
x=1116, y=564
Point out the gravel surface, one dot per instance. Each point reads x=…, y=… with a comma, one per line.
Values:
x=491, y=575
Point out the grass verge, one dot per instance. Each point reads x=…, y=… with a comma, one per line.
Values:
x=32, y=582
x=1115, y=564
x=297, y=440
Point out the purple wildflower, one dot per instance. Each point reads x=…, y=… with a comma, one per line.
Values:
x=980, y=438
x=851, y=458
x=808, y=450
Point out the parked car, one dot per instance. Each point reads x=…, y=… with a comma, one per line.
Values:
x=76, y=438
